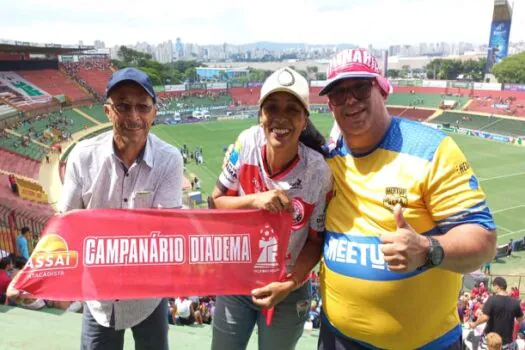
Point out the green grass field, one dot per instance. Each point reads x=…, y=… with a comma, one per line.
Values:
x=499, y=166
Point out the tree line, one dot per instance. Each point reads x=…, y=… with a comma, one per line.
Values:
x=509, y=70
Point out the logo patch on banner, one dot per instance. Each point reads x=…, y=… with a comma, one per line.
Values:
x=51, y=253
x=267, y=260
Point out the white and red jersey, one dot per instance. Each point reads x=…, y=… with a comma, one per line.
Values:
x=307, y=180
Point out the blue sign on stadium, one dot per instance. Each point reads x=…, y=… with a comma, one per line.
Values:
x=499, y=41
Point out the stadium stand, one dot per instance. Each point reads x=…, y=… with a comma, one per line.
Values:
x=314, y=96
x=22, y=146
x=93, y=74
x=411, y=113
x=493, y=124
x=53, y=127
x=514, y=106
x=24, y=208
x=245, y=96
x=96, y=112
x=424, y=100
x=18, y=164
x=56, y=83
x=7, y=111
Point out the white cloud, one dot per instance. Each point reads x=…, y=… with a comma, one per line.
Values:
x=379, y=22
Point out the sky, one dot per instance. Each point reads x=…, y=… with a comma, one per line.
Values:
x=377, y=22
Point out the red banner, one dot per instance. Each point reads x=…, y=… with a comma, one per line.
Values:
x=126, y=254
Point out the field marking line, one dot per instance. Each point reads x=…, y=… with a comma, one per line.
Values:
x=503, y=228
x=511, y=233
x=502, y=176
x=510, y=208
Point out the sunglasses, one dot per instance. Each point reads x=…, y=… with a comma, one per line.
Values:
x=360, y=91
x=122, y=107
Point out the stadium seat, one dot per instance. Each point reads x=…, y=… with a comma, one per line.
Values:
x=55, y=83
x=18, y=164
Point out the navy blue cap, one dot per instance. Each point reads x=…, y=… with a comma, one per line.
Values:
x=131, y=74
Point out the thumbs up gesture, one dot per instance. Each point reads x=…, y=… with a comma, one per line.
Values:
x=403, y=250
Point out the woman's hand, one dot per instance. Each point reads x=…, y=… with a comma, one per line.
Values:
x=274, y=201
x=272, y=294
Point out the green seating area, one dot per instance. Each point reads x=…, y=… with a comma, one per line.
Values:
x=79, y=122
x=423, y=100
x=469, y=121
x=75, y=121
x=502, y=126
x=510, y=127
x=14, y=144
x=96, y=112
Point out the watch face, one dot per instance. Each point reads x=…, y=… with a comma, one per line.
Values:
x=437, y=253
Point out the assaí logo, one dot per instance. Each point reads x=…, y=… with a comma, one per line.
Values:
x=52, y=253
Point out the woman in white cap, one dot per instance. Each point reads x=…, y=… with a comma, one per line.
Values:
x=278, y=166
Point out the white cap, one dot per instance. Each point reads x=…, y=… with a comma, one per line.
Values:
x=287, y=80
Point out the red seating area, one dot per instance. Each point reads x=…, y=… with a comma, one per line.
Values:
x=30, y=210
x=246, y=96
x=96, y=74
x=516, y=107
x=18, y=164
x=315, y=98
x=410, y=113
x=250, y=96
x=55, y=83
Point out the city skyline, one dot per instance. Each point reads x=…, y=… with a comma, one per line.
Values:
x=380, y=23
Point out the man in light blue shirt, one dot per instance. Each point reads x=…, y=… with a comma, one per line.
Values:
x=21, y=242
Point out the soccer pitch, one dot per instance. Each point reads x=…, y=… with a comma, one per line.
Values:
x=499, y=167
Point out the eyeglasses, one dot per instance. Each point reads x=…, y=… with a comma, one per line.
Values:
x=360, y=91
x=122, y=107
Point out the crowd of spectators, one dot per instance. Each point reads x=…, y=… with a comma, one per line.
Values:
x=72, y=70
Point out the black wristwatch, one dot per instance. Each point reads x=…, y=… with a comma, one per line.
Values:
x=435, y=254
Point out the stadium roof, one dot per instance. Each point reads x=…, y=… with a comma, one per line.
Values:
x=38, y=48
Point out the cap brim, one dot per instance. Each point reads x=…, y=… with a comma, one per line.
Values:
x=330, y=84
x=134, y=81
x=283, y=89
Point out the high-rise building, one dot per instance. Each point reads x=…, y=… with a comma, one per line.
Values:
x=99, y=44
x=179, y=50
x=164, y=52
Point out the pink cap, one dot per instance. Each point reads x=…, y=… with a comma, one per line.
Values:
x=354, y=63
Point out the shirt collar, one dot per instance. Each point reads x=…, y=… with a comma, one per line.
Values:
x=146, y=154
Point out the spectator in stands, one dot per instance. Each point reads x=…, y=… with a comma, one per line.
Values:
x=196, y=183
x=185, y=312
x=400, y=195
x=494, y=341
x=499, y=312
x=5, y=265
x=509, y=248
x=486, y=268
x=22, y=242
x=13, y=184
x=520, y=342
x=482, y=289
x=290, y=175
x=108, y=171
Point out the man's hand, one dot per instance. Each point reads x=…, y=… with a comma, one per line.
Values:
x=11, y=292
x=272, y=294
x=274, y=201
x=404, y=250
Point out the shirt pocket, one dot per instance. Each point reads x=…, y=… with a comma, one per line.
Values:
x=141, y=199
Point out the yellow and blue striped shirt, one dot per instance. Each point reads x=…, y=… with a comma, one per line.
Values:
x=425, y=171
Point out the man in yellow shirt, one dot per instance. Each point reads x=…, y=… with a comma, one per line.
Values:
x=407, y=218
